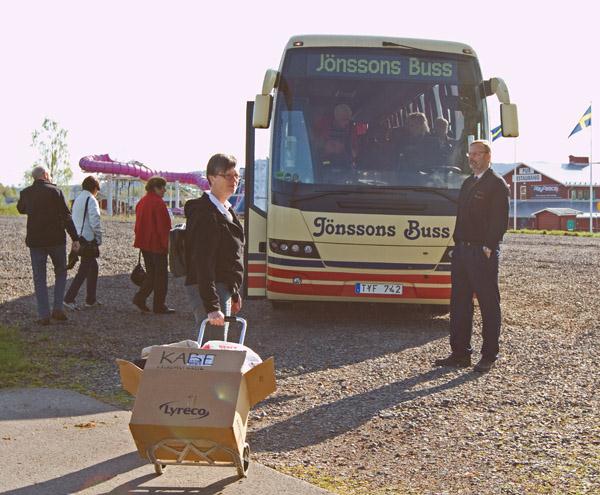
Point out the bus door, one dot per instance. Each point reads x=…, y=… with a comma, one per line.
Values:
x=255, y=216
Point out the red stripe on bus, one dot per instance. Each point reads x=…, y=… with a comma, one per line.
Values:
x=257, y=268
x=257, y=282
x=348, y=291
x=363, y=277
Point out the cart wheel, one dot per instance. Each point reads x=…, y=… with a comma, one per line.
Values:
x=246, y=459
x=158, y=468
x=242, y=468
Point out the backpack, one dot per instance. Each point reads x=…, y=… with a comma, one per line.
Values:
x=177, y=250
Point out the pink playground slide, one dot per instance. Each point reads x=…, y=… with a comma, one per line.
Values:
x=103, y=164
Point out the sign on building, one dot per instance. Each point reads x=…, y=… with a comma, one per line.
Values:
x=527, y=178
x=545, y=191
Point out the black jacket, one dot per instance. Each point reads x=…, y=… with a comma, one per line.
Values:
x=213, y=251
x=48, y=215
x=482, y=210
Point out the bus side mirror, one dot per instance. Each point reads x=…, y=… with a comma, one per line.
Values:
x=261, y=116
x=263, y=104
x=509, y=120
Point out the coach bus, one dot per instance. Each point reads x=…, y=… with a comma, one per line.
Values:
x=368, y=150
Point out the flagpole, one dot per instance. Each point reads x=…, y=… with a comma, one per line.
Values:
x=515, y=187
x=591, y=179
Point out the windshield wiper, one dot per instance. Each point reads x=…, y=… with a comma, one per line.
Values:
x=322, y=193
x=433, y=190
x=371, y=190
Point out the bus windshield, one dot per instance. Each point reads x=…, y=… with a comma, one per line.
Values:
x=375, y=117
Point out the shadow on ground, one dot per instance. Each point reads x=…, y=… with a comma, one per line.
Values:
x=307, y=338
x=327, y=421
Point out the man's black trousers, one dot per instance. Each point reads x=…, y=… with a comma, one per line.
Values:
x=473, y=273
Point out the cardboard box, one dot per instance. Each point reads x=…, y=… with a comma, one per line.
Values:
x=193, y=395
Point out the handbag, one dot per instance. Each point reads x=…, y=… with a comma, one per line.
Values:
x=87, y=249
x=138, y=274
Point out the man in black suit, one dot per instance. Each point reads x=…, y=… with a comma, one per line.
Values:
x=481, y=222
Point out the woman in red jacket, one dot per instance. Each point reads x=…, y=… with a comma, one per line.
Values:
x=152, y=226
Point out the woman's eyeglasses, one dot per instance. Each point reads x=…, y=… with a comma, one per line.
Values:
x=230, y=176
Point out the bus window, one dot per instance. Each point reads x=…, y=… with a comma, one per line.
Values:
x=294, y=152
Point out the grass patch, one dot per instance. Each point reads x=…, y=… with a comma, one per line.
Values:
x=343, y=486
x=566, y=233
x=9, y=210
x=36, y=361
x=16, y=367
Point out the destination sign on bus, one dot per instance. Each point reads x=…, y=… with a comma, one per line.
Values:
x=382, y=67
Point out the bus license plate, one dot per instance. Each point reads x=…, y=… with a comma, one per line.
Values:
x=384, y=289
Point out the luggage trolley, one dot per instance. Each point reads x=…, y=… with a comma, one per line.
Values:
x=198, y=452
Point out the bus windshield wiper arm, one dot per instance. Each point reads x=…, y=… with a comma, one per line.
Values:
x=431, y=190
x=320, y=194
x=370, y=190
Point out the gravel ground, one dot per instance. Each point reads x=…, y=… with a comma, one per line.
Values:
x=359, y=406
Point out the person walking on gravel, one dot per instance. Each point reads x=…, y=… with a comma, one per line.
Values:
x=48, y=217
x=481, y=222
x=214, y=244
x=86, y=216
x=152, y=227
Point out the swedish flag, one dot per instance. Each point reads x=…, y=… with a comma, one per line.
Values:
x=585, y=121
x=496, y=133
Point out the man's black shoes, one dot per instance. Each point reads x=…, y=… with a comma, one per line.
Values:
x=454, y=361
x=141, y=305
x=483, y=366
x=164, y=311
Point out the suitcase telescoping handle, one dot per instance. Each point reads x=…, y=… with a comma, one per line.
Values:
x=228, y=319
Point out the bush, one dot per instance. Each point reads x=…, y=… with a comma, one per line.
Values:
x=574, y=233
x=10, y=209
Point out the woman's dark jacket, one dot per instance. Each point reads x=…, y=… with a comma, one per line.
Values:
x=213, y=251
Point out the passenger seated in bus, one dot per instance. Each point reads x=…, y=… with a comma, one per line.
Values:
x=377, y=151
x=445, y=144
x=418, y=148
x=336, y=137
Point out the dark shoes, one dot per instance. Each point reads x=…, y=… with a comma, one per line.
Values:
x=145, y=309
x=483, y=366
x=56, y=315
x=59, y=315
x=140, y=304
x=455, y=361
x=164, y=311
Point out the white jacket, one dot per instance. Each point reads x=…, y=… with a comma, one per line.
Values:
x=92, y=228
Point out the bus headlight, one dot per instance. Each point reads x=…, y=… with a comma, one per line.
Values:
x=300, y=249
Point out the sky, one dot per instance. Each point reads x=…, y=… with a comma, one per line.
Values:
x=165, y=83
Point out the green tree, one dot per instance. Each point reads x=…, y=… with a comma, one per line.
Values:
x=50, y=142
